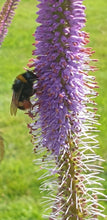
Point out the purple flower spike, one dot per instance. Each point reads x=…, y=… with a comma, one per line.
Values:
x=6, y=15
x=61, y=65
x=64, y=112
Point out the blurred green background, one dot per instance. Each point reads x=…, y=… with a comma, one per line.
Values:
x=19, y=185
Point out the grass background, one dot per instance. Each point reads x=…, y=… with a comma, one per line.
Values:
x=19, y=187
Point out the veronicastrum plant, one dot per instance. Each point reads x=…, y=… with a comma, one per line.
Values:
x=64, y=126
x=6, y=16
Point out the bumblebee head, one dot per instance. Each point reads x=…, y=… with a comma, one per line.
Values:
x=29, y=76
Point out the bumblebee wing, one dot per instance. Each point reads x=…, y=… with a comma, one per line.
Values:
x=13, y=106
x=15, y=101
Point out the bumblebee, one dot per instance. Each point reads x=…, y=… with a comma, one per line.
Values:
x=22, y=91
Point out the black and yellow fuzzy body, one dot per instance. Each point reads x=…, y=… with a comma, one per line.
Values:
x=22, y=91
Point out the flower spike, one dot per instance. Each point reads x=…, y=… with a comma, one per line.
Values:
x=64, y=114
x=6, y=16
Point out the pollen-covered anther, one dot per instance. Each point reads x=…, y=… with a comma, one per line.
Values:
x=65, y=77
x=77, y=57
x=83, y=205
x=59, y=121
x=91, y=86
x=56, y=110
x=82, y=72
x=64, y=64
x=39, y=92
x=72, y=57
x=69, y=175
x=61, y=95
x=30, y=65
x=82, y=178
x=35, y=149
x=54, y=70
x=49, y=90
x=86, y=41
x=86, y=62
x=75, y=178
x=53, y=130
x=93, y=68
x=75, y=43
x=69, y=102
x=95, y=205
x=85, y=212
